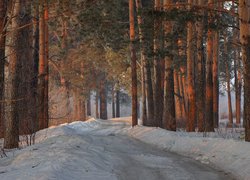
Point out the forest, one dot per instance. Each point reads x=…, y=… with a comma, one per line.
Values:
x=169, y=61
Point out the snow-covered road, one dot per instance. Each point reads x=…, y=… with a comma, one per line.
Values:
x=97, y=152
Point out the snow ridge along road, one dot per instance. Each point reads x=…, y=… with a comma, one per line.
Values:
x=99, y=150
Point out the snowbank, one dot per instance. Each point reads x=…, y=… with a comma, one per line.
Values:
x=229, y=155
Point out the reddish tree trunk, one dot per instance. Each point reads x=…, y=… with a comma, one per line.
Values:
x=209, y=123
x=133, y=62
x=190, y=77
x=178, y=107
x=200, y=94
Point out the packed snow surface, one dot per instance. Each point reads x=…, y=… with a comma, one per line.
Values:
x=108, y=150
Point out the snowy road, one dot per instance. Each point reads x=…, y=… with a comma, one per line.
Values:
x=99, y=153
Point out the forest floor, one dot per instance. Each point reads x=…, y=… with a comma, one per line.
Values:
x=111, y=149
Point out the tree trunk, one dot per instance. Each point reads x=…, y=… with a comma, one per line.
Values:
x=20, y=104
x=245, y=42
x=103, y=101
x=42, y=68
x=97, y=104
x=3, y=10
x=209, y=124
x=158, y=102
x=228, y=80
x=215, y=80
x=230, y=111
x=190, y=76
x=77, y=109
x=113, y=102
x=117, y=103
x=200, y=93
x=178, y=97
x=83, y=110
x=35, y=45
x=168, y=121
x=238, y=86
x=133, y=62
x=89, y=104
x=237, y=79
x=46, y=63
x=143, y=60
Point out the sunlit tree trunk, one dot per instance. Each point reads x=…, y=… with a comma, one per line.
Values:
x=209, y=124
x=3, y=10
x=133, y=62
x=244, y=12
x=178, y=97
x=191, y=112
x=168, y=121
x=182, y=79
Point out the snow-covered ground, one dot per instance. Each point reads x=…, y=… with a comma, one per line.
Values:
x=111, y=149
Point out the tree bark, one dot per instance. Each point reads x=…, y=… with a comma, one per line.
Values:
x=169, y=121
x=42, y=67
x=228, y=80
x=3, y=17
x=133, y=62
x=143, y=60
x=46, y=63
x=113, y=102
x=89, y=104
x=158, y=101
x=103, y=100
x=97, y=104
x=190, y=76
x=209, y=123
x=20, y=104
x=215, y=80
x=83, y=110
x=238, y=86
x=117, y=103
x=178, y=97
x=200, y=94
x=245, y=43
